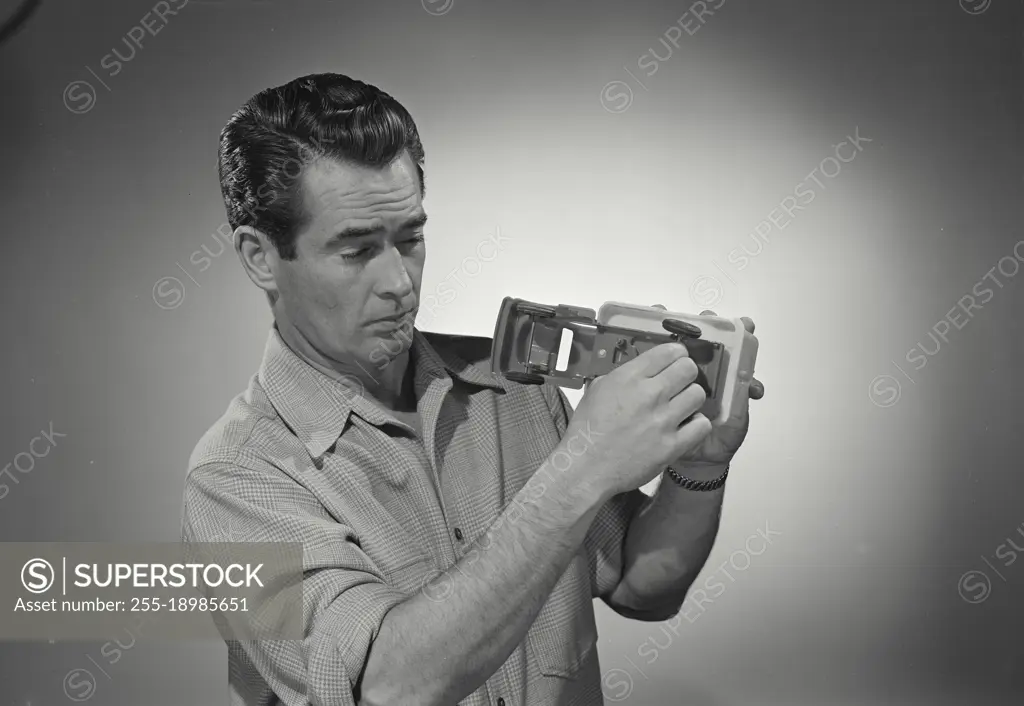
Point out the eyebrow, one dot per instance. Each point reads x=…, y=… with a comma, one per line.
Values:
x=356, y=232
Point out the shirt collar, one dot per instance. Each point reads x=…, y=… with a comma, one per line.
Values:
x=441, y=356
x=317, y=407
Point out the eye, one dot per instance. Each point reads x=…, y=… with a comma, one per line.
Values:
x=359, y=254
x=412, y=242
x=365, y=252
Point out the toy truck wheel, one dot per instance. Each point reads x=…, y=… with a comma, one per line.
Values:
x=525, y=378
x=535, y=310
x=681, y=328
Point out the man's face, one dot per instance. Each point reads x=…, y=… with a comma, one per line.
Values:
x=359, y=261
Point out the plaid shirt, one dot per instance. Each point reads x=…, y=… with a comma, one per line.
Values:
x=298, y=457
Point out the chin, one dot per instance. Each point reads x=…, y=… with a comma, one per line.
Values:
x=385, y=346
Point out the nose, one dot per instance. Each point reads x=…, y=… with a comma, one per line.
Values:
x=393, y=278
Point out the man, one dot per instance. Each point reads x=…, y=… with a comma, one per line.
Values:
x=456, y=526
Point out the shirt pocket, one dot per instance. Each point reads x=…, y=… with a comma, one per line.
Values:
x=564, y=634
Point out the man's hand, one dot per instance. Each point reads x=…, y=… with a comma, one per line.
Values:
x=718, y=447
x=639, y=417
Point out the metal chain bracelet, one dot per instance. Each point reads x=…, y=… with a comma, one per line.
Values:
x=699, y=485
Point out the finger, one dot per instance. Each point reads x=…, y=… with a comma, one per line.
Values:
x=653, y=361
x=687, y=403
x=692, y=433
x=756, y=389
x=748, y=323
x=675, y=378
x=659, y=306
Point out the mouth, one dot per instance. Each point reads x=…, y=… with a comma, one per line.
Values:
x=396, y=319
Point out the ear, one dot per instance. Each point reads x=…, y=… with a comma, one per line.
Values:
x=258, y=256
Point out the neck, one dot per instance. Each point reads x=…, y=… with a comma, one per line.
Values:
x=385, y=385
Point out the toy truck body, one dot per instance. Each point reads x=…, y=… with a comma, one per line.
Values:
x=570, y=346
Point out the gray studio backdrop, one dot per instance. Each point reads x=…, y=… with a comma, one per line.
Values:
x=845, y=173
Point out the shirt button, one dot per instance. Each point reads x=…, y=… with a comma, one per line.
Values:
x=458, y=536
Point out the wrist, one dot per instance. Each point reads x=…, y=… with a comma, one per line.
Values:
x=699, y=470
x=574, y=477
x=700, y=478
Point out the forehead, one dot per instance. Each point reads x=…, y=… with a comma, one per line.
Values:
x=338, y=194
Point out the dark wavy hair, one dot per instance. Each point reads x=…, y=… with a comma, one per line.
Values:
x=268, y=142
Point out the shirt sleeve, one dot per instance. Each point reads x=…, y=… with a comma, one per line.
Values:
x=345, y=597
x=605, y=538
